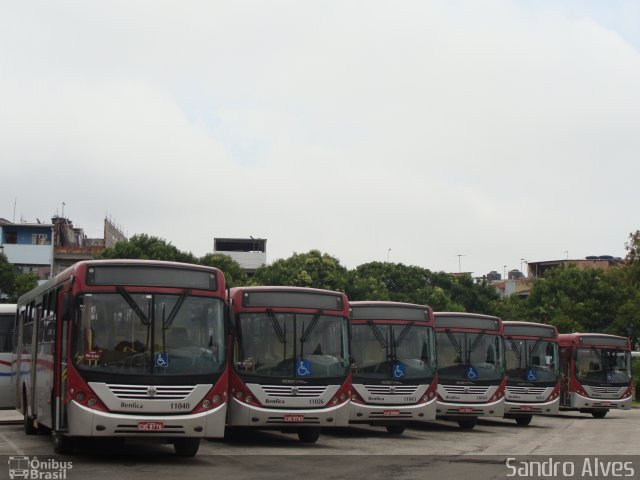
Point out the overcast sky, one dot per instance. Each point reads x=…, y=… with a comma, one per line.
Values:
x=414, y=131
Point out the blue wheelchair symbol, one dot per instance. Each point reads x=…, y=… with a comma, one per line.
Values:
x=303, y=368
x=532, y=375
x=472, y=373
x=610, y=376
x=162, y=360
x=399, y=370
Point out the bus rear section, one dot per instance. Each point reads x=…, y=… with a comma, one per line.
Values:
x=471, y=370
x=533, y=372
x=130, y=349
x=291, y=369
x=596, y=371
x=7, y=363
x=394, y=364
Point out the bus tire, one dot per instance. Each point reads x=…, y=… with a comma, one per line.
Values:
x=309, y=434
x=395, y=429
x=186, y=447
x=467, y=423
x=62, y=444
x=29, y=428
x=599, y=413
x=524, y=420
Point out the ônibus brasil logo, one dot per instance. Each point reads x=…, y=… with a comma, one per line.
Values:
x=32, y=468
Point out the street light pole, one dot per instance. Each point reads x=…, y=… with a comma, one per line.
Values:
x=388, y=253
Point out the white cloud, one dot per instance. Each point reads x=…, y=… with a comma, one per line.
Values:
x=499, y=130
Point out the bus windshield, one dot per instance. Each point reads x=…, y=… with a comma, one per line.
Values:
x=603, y=365
x=470, y=356
x=133, y=333
x=531, y=360
x=292, y=345
x=393, y=351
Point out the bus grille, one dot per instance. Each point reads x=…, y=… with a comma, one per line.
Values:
x=149, y=392
x=466, y=389
x=612, y=392
x=391, y=389
x=294, y=391
x=526, y=390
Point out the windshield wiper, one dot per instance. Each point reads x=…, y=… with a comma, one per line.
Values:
x=531, y=350
x=174, y=311
x=403, y=334
x=306, y=332
x=275, y=324
x=381, y=339
x=454, y=343
x=515, y=347
x=134, y=306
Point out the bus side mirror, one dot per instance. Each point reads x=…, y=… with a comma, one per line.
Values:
x=67, y=306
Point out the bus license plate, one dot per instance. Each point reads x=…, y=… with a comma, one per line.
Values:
x=391, y=413
x=526, y=408
x=605, y=404
x=150, y=426
x=465, y=410
x=294, y=418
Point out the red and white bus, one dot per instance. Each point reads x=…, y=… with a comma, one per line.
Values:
x=291, y=367
x=596, y=373
x=533, y=370
x=7, y=372
x=471, y=368
x=394, y=364
x=124, y=348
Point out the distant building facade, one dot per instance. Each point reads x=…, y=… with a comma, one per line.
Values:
x=517, y=284
x=538, y=269
x=28, y=246
x=250, y=253
x=47, y=249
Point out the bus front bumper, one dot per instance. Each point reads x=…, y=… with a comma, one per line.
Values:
x=243, y=415
x=531, y=408
x=87, y=422
x=457, y=410
x=578, y=401
x=390, y=414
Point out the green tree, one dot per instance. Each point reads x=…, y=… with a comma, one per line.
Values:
x=312, y=269
x=574, y=299
x=147, y=247
x=234, y=275
x=22, y=284
x=7, y=276
x=400, y=283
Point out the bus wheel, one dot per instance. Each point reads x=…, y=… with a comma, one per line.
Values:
x=524, y=420
x=62, y=445
x=309, y=434
x=186, y=447
x=467, y=423
x=395, y=429
x=599, y=413
x=29, y=428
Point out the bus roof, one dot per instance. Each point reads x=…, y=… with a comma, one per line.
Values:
x=529, y=329
x=386, y=310
x=470, y=321
x=593, y=339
